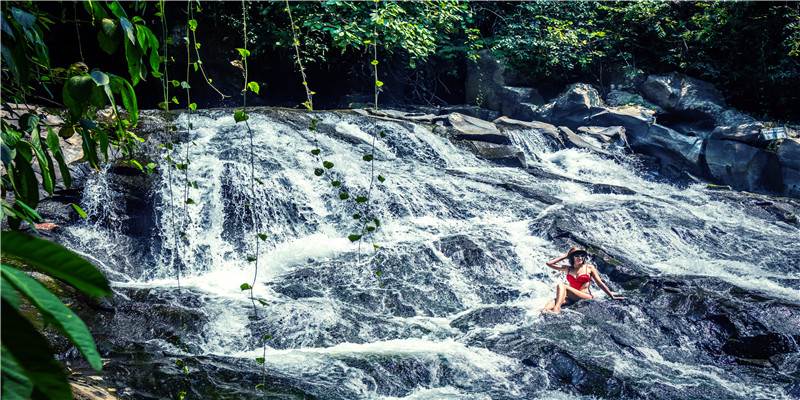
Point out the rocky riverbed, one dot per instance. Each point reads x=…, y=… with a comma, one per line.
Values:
x=448, y=305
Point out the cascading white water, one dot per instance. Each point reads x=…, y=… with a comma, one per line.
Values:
x=452, y=243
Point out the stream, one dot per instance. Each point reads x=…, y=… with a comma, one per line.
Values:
x=448, y=305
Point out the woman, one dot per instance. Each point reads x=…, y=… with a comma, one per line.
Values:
x=579, y=276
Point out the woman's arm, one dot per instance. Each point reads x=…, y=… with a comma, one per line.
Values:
x=554, y=263
x=596, y=276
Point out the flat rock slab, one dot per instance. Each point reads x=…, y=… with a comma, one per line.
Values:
x=470, y=128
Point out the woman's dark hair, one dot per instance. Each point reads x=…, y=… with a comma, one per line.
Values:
x=571, y=258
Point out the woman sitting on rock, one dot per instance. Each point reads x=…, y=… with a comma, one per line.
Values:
x=579, y=276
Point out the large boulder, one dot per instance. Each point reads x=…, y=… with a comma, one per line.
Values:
x=690, y=99
x=789, y=160
x=573, y=105
x=749, y=133
x=742, y=166
x=674, y=151
x=489, y=84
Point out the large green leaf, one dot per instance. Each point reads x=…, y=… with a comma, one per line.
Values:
x=76, y=93
x=16, y=386
x=52, y=308
x=125, y=90
x=56, y=261
x=133, y=56
x=45, y=167
x=89, y=147
x=33, y=355
x=8, y=293
x=23, y=179
x=55, y=149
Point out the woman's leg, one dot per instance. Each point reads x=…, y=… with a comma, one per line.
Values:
x=552, y=303
x=576, y=294
x=561, y=297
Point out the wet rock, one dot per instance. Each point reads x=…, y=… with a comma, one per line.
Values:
x=523, y=190
x=619, y=98
x=573, y=105
x=742, y=166
x=469, y=128
x=610, y=134
x=761, y=346
x=746, y=133
x=593, y=380
x=548, y=131
x=505, y=155
x=789, y=160
x=489, y=84
x=485, y=264
x=488, y=317
x=579, y=142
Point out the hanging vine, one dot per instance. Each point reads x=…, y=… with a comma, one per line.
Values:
x=369, y=222
x=168, y=146
x=242, y=116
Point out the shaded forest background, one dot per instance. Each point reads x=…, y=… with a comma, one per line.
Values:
x=750, y=50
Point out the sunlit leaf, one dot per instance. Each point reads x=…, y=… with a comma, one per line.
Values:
x=56, y=261
x=50, y=306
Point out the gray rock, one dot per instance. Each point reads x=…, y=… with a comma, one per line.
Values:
x=789, y=160
x=742, y=166
x=503, y=154
x=470, y=128
x=577, y=141
x=618, y=98
x=573, y=105
x=746, y=133
x=519, y=102
x=678, y=92
x=545, y=129
x=607, y=134
x=672, y=149
x=466, y=109
x=693, y=98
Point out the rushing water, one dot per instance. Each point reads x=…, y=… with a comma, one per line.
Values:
x=449, y=305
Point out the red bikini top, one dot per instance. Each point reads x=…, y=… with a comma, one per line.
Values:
x=578, y=282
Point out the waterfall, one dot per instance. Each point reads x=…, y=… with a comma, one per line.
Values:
x=448, y=305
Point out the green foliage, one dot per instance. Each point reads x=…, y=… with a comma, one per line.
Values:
x=240, y=115
x=28, y=367
x=56, y=261
x=415, y=29
x=751, y=49
x=79, y=210
x=54, y=310
x=25, y=59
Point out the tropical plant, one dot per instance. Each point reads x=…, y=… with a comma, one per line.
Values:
x=29, y=369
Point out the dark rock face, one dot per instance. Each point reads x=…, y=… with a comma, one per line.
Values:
x=745, y=133
x=572, y=106
x=789, y=158
x=742, y=166
x=488, y=85
x=678, y=93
